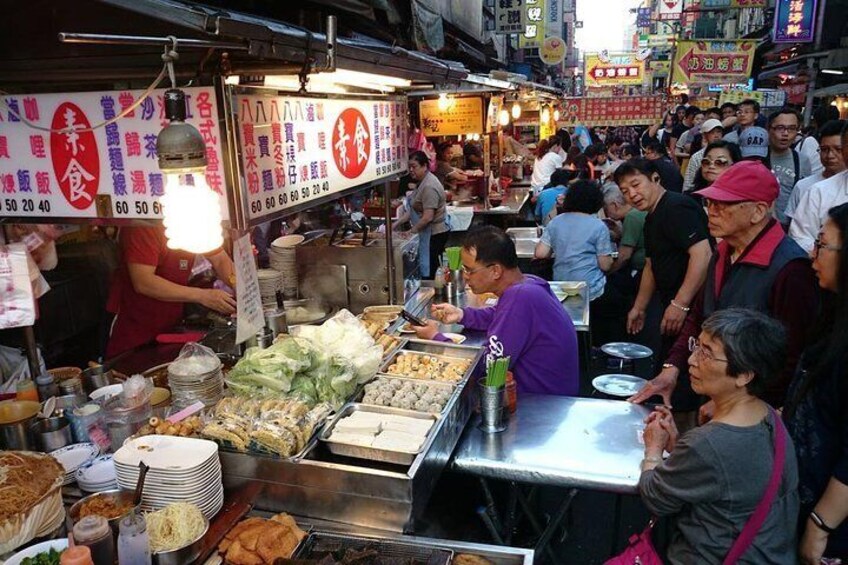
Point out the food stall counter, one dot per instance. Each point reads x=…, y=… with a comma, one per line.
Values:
x=514, y=199
x=561, y=441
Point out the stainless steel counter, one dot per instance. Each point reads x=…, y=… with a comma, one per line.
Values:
x=514, y=199
x=560, y=441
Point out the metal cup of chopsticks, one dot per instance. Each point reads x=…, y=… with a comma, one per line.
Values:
x=492, y=389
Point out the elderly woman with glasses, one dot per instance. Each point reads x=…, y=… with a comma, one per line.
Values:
x=716, y=474
x=718, y=157
x=816, y=408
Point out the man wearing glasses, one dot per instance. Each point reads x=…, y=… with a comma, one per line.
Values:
x=784, y=161
x=747, y=115
x=528, y=324
x=756, y=266
x=810, y=201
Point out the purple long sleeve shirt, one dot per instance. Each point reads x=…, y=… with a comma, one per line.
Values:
x=530, y=325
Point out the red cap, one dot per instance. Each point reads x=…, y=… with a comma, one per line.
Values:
x=746, y=181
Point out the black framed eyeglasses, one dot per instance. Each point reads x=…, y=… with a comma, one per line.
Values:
x=818, y=246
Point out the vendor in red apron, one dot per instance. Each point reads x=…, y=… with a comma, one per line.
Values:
x=150, y=288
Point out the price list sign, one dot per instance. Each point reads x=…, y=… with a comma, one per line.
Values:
x=75, y=172
x=297, y=149
x=614, y=111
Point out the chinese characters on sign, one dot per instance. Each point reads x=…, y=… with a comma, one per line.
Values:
x=298, y=149
x=617, y=111
x=670, y=10
x=711, y=4
x=465, y=115
x=509, y=16
x=534, y=25
x=710, y=62
x=794, y=21
x=643, y=17
x=63, y=174
x=622, y=69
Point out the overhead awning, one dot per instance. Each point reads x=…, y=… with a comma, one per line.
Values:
x=834, y=90
x=259, y=45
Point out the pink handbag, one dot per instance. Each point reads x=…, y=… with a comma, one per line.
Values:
x=641, y=551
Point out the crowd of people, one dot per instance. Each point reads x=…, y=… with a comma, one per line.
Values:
x=730, y=226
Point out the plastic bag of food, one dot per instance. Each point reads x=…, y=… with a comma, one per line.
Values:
x=345, y=338
x=196, y=361
x=136, y=391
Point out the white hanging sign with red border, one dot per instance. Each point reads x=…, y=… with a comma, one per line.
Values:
x=67, y=175
x=298, y=149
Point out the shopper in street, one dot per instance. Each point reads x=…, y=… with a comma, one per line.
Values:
x=547, y=161
x=668, y=170
x=817, y=405
x=747, y=115
x=782, y=159
x=814, y=202
x=427, y=213
x=718, y=157
x=717, y=474
x=631, y=246
x=711, y=131
x=756, y=266
x=831, y=162
x=677, y=249
x=150, y=288
x=528, y=324
x=547, y=199
x=682, y=127
x=582, y=250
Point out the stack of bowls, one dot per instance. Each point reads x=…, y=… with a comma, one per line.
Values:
x=195, y=379
x=270, y=281
x=283, y=258
x=72, y=457
x=97, y=475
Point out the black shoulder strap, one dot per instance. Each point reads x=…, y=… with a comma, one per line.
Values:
x=796, y=161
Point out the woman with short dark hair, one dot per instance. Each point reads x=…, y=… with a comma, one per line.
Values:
x=427, y=211
x=716, y=475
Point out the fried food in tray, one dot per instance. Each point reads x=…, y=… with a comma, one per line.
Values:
x=279, y=427
x=468, y=559
x=429, y=367
x=184, y=428
x=257, y=541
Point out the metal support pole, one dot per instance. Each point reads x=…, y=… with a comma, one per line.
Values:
x=390, y=252
x=112, y=39
x=31, y=351
x=812, y=65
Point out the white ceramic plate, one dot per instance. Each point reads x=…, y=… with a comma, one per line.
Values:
x=288, y=241
x=33, y=550
x=457, y=339
x=106, y=392
x=97, y=471
x=167, y=453
x=618, y=385
x=72, y=457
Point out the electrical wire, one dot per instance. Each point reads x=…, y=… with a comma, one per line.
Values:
x=168, y=58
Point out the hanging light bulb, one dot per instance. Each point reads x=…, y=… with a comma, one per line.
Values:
x=516, y=110
x=444, y=102
x=191, y=210
x=556, y=115
x=546, y=114
x=503, y=117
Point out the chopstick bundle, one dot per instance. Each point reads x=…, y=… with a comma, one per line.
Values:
x=496, y=372
x=454, y=259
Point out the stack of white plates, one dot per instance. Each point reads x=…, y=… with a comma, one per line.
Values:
x=282, y=257
x=181, y=470
x=270, y=281
x=74, y=456
x=97, y=475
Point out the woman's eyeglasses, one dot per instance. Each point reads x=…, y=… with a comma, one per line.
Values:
x=818, y=246
x=695, y=347
x=719, y=162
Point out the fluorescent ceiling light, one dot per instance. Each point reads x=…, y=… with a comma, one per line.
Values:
x=330, y=82
x=354, y=78
x=292, y=82
x=833, y=72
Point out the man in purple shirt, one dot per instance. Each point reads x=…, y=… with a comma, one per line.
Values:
x=528, y=324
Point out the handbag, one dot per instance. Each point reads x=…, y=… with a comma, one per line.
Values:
x=640, y=548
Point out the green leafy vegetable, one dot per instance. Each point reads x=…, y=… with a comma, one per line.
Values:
x=50, y=557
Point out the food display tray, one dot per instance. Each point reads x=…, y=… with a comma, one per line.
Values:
x=371, y=453
x=319, y=544
x=442, y=351
x=447, y=385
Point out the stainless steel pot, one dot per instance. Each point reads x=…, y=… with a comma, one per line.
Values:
x=16, y=417
x=96, y=377
x=52, y=433
x=186, y=554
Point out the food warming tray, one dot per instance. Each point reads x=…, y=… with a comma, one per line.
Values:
x=319, y=544
x=371, y=453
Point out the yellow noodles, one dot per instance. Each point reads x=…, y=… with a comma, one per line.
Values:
x=174, y=526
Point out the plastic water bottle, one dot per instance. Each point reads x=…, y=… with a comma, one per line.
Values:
x=133, y=542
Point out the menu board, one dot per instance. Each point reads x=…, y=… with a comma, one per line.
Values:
x=463, y=115
x=298, y=149
x=111, y=171
x=250, y=317
x=613, y=111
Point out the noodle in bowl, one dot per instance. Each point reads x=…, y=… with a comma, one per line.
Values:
x=33, y=508
x=175, y=532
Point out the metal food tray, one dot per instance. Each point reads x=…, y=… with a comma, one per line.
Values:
x=444, y=384
x=441, y=355
x=371, y=453
x=319, y=544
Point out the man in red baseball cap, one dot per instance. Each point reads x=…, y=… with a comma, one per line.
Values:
x=756, y=265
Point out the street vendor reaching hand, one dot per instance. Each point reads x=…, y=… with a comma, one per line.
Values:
x=151, y=288
x=528, y=324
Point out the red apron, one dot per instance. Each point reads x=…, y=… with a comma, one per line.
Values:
x=139, y=319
